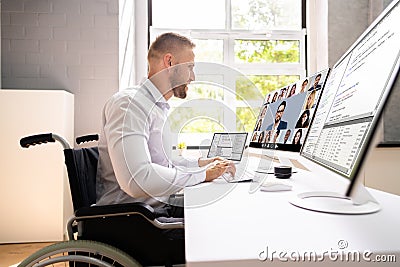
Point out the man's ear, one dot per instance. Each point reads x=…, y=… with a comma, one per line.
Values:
x=167, y=60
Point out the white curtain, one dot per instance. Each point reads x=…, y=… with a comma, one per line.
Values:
x=132, y=42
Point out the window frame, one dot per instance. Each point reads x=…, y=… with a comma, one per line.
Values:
x=228, y=36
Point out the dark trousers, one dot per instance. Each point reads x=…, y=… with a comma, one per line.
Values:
x=174, y=212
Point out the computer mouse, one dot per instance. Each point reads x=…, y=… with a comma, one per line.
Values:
x=273, y=186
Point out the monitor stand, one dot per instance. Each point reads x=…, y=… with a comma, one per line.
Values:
x=361, y=202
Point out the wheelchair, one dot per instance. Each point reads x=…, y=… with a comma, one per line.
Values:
x=111, y=235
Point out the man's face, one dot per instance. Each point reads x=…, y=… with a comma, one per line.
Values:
x=310, y=100
x=275, y=136
x=279, y=113
x=317, y=79
x=287, y=134
x=182, y=73
x=268, y=136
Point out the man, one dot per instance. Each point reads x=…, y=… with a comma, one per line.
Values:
x=316, y=86
x=278, y=123
x=287, y=135
x=276, y=135
x=134, y=159
x=135, y=162
x=267, y=138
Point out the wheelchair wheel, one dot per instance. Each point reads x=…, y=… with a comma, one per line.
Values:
x=79, y=253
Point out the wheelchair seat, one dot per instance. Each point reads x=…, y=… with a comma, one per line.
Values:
x=131, y=227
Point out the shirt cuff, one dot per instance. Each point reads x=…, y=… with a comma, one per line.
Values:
x=186, y=162
x=199, y=177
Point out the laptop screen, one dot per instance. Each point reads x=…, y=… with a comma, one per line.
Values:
x=227, y=145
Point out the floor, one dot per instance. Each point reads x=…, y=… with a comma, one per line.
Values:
x=11, y=254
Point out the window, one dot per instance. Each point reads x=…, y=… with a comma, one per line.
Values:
x=244, y=49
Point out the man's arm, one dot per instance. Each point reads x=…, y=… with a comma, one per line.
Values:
x=127, y=131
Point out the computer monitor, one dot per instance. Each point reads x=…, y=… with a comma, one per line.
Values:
x=287, y=113
x=346, y=124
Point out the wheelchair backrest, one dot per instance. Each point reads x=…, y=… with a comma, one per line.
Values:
x=82, y=168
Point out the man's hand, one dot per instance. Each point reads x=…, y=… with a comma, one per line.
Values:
x=203, y=162
x=220, y=167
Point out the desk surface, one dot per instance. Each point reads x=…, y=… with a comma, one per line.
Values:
x=235, y=225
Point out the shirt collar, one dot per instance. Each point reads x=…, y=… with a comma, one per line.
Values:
x=157, y=96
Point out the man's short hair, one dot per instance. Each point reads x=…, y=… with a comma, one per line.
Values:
x=282, y=104
x=168, y=43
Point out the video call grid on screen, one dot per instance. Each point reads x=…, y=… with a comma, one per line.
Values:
x=354, y=97
x=228, y=145
x=287, y=113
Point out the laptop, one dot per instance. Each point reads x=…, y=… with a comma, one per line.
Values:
x=229, y=146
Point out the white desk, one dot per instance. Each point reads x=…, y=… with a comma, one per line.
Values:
x=225, y=225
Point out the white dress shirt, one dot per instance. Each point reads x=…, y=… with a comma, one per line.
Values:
x=135, y=162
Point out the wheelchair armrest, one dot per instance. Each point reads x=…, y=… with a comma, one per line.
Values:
x=117, y=209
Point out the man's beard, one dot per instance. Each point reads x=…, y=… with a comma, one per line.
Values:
x=180, y=91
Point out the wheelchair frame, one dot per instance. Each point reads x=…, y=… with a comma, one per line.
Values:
x=90, y=252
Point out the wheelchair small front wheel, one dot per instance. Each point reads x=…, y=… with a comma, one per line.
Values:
x=79, y=253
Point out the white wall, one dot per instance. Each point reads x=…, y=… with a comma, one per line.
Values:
x=383, y=170
x=34, y=193
x=334, y=25
x=0, y=45
x=347, y=20
x=63, y=44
